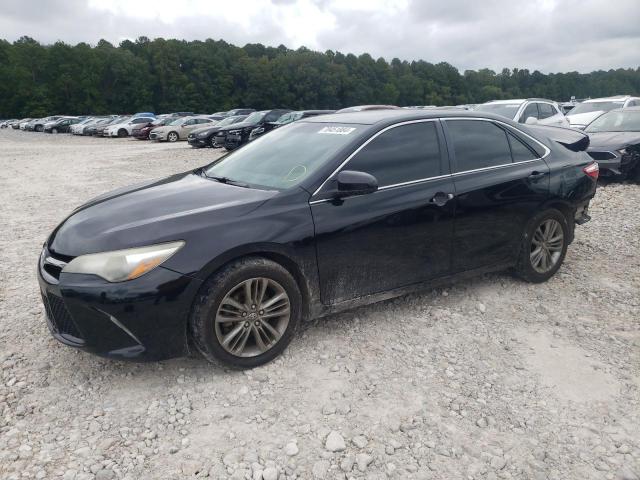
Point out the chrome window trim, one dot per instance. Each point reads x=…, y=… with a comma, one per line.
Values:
x=422, y=180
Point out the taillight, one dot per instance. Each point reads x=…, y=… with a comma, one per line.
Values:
x=592, y=170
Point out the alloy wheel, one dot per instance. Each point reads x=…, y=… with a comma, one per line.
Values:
x=172, y=137
x=252, y=317
x=546, y=245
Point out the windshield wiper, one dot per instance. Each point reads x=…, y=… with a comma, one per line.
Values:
x=227, y=180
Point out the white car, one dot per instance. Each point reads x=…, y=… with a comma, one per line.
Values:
x=531, y=111
x=586, y=112
x=124, y=129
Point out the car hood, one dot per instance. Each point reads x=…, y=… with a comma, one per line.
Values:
x=152, y=212
x=613, y=140
x=167, y=128
x=239, y=125
x=583, y=118
x=204, y=129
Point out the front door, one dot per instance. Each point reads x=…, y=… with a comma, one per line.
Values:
x=398, y=235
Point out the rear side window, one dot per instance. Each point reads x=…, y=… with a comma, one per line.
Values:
x=478, y=144
x=531, y=110
x=401, y=154
x=546, y=110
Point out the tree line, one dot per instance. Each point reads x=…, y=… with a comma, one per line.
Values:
x=206, y=76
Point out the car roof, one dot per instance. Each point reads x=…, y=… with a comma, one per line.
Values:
x=609, y=99
x=518, y=100
x=372, y=117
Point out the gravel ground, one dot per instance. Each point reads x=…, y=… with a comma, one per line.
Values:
x=489, y=378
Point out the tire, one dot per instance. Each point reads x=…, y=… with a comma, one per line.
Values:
x=39, y=128
x=54, y=130
x=208, y=333
x=212, y=141
x=172, y=137
x=122, y=133
x=541, y=234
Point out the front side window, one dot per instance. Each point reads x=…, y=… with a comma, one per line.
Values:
x=478, y=144
x=530, y=111
x=546, y=110
x=401, y=154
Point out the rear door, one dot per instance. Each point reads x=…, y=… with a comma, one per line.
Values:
x=398, y=235
x=500, y=183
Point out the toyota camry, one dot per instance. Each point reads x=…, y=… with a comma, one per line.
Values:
x=321, y=215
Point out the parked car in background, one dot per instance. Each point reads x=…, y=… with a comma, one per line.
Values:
x=587, y=111
x=19, y=125
x=286, y=119
x=102, y=127
x=77, y=127
x=141, y=132
x=238, y=134
x=178, y=129
x=124, y=128
x=530, y=110
x=143, y=114
x=62, y=125
x=7, y=123
x=205, y=136
x=37, y=125
x=302, y=219
x=615, y=142
x=364, y=108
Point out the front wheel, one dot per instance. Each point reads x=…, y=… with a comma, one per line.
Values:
x=122, y=133
x=247, y=313
x=172, y=137
x=544, y=246
x=54, y=130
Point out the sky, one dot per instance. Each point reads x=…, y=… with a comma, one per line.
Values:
x=545, y=35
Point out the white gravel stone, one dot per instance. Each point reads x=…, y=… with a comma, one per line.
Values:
x=335, y=442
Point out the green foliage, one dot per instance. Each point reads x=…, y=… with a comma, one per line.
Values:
x=169, y=75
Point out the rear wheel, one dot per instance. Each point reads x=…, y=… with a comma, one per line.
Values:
x=247, y=313
x=544, y=246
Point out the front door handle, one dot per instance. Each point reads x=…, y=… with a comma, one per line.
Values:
x=440, y=198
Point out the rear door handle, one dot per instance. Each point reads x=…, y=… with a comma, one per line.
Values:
x=440, y=198
x=536, y=174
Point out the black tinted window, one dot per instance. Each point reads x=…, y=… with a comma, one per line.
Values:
x=546, y=110
x=401, y=154
x=530, y=111
x=478, y=144
x=273, y=116
x=519, y=151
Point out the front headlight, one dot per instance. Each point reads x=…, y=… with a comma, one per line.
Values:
x=121, y=265
x=202, y=134
x=622, y=151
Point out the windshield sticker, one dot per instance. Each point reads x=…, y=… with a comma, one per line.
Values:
x=337, y=130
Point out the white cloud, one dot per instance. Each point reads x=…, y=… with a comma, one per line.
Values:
x=549, y=35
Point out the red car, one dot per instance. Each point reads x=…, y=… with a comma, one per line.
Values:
x=142, y=132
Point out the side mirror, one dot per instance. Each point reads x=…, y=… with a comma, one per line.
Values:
x=352, y=183
x=531, y=121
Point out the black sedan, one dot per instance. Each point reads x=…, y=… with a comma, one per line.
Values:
x=206, y=136
x=286, y=119
x=237, y=135
x=615, y=143
x=62, y=125
x=321, y=215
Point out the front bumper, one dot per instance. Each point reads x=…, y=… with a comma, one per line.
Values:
x=157, y=136
x=233, y=140
x=613, y=163
x=197, y=142
x=143, y=319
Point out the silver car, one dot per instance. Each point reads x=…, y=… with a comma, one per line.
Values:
x=531, y=111
x=179, y=128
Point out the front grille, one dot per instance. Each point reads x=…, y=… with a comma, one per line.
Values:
x=59, y=318
x=602, y=155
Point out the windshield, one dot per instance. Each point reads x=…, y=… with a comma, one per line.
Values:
x=289, y=117
x=507, y=110
x=178, y=121
x=616, y=122
x=595, y=107
x=255, y=117
x=286, y=156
